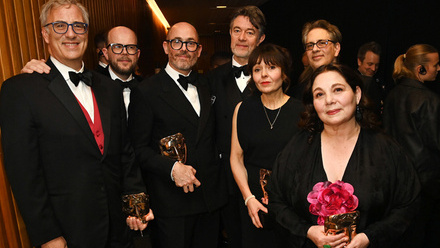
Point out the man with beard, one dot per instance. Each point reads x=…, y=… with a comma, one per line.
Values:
x=229, y=85
x=186, y=196
x=122, y=53
x=65, y=143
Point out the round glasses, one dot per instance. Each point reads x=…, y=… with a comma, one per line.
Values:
x=177, y=44
x=117, y=48
x=320, y=44
x=62, y=27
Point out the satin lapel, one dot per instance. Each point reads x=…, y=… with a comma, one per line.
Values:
x=172, y=95
x=61, y=90
x=102, y=99
x=205, y=107
x=232, y=91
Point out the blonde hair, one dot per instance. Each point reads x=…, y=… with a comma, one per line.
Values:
x=405, y=64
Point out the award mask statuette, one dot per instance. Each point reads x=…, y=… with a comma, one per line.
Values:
x=265, y=220
x=136, y=205
x=342, y=223
x=174, y=147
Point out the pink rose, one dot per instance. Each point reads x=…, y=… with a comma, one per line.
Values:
x=328, y=198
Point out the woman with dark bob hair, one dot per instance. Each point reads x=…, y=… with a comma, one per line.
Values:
x=262, y=126
x=341, y=163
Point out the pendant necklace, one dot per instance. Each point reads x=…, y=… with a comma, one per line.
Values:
x=276, y=117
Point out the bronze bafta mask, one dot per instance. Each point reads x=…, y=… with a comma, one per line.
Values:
x=264, y=178
x=174, y=147
x=136, y=205
x=342, y=223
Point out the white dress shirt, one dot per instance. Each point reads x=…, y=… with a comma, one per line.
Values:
x=126, y=91
x=82, y=92
x=191, y=93
x=243, y=80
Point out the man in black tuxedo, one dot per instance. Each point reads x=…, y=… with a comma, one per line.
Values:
x=122, y=53
x=100, y=44
x=229, y=85
x=186, y=198
x=368, y=59
x=65, y=144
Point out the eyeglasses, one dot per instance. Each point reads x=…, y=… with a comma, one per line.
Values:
x=177, y=44
x=62, y=27
x=117, y=48
x=320, y=44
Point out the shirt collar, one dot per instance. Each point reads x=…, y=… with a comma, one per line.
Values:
x=104, y=65
x=114, y=76
x=64, y=69
x=235, y=63
x=173, y=73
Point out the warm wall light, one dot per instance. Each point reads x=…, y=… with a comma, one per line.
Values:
x=221, y=7
x=158, y=13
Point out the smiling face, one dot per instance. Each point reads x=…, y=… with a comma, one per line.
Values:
x=182, y=60
x=268, y=78
x=244, y=38
x=67, y=48
x=334, y=100
x=122, y=64
x=369, y=66
x=321, y=56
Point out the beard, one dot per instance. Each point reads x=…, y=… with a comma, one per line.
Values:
x=180, y=64
x=127, y=71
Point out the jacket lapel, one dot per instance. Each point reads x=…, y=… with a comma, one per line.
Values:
x=61, y=90
x=232, y=91
x=205, y=106
x=172, y=95
x=102, y=100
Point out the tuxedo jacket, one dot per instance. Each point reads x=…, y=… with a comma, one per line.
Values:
x=227, y=96
x=158, y=108
x=63, y=185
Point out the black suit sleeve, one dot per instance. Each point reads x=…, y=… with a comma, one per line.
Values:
x=141, y=124
x=22, y=162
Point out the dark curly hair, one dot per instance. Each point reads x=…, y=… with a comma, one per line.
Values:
x=309, y=118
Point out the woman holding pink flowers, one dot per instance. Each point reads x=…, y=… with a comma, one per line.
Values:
x=341, y=163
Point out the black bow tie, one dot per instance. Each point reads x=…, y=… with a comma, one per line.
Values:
x=128, y=84
x=184, y=81
x=238, y=70
x=85, y=76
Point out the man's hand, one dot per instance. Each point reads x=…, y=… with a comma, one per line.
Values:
x=184, y=176
x=59, y=242
x=34, y=65
x=136, y=224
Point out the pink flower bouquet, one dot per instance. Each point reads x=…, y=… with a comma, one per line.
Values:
x=328, y=198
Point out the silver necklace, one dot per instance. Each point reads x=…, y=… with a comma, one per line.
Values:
x=276, y=117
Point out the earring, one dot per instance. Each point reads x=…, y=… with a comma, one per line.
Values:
x=358, y=116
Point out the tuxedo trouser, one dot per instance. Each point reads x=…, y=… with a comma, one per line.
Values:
x=192, y=231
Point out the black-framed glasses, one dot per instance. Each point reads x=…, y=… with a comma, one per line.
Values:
x=177, y=44
x=320, y=44
x=62, y=27
x=117, y=48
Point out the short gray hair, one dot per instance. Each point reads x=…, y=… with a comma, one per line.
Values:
x=47, y=7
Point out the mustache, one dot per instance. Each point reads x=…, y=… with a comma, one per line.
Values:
x=124, y=58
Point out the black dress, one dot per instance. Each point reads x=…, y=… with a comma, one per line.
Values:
x=382, y=176
x=260, y=145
